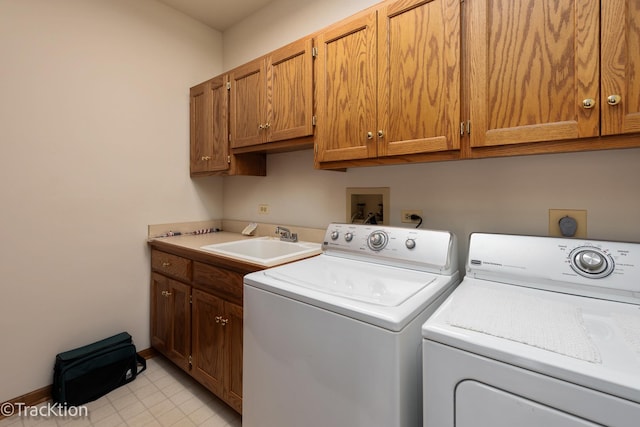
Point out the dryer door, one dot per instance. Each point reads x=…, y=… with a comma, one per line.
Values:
x=479, y=405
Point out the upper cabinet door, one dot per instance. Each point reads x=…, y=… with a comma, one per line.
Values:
x=346, y=85
x=248, y=86
x=290, y=91
x=620, y=67
x=418, y=77
x=209, y=140
x=533, y=70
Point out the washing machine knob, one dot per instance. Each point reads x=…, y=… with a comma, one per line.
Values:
x=410, y=243
x=335, y=235
x=377, y=240
x=348, y=237
x=591, y=261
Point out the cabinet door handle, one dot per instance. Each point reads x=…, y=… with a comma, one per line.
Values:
x=260, y=126
x=166, y=293
x=588, y=103
x=224, y=321
x=218, y=319
x=166, y=264
x=369, y=135
x=267, y=125
x=206, y=158
x=614, y=99
x=380, y=133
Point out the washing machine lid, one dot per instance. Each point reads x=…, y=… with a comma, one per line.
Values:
x=587, y=341
x=382, y=295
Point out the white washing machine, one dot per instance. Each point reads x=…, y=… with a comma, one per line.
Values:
x=335, y=340
x=541, y=332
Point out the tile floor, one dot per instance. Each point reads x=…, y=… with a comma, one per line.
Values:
x=162, y=395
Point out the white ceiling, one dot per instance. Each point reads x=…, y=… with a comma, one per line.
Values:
x=217, y=14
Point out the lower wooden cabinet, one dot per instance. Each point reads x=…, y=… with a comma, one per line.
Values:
x=234, y=343
x=217, y=346
x=197, y=322
x=171, y=319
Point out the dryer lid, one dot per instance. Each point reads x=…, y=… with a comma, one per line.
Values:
x=587, y=341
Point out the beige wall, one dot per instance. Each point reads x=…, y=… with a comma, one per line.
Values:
x=93, y=147
x=508, y=195
x=282, y=22
x=505, y=195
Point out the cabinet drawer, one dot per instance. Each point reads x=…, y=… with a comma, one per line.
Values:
x=171, y=265
x=219, y=281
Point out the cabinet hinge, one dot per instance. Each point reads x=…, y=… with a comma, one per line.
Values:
x=228, y=85
x=314, y=52
x=314, y=120
x=461, y=128
x=229, y=159
x=315, y=148
x=469, y=127
x=190, y=299
x=190, y=360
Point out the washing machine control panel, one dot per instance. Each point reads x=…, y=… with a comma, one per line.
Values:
x=609, y=270
x=428, y=250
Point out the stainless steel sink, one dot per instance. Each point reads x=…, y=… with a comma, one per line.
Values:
x=265, y=251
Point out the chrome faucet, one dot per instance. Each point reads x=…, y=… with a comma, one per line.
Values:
x=286, y=235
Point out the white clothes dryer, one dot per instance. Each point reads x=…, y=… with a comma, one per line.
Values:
x=541, y=332
x=335, y=340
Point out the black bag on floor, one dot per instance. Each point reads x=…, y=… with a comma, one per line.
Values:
x=89, y=372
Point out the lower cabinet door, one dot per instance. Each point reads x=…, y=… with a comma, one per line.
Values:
x=171, y=319
x=208, y=337
x=160, y=313
x=233, y=313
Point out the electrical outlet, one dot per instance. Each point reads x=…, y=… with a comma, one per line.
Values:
x=263, y=209
x=406, y=216
x=580, y=215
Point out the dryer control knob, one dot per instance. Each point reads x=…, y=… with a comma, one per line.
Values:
x=348, y=237
x=335, y=235
x=410, y=243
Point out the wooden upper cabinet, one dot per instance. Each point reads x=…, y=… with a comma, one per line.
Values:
x=389, y=82
x=209, y=141
x=418, y=77
x=620, y=86
x=533, y=70
x=248, y=88
x=290, y=91
x=272, y=97
x=346, y=85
